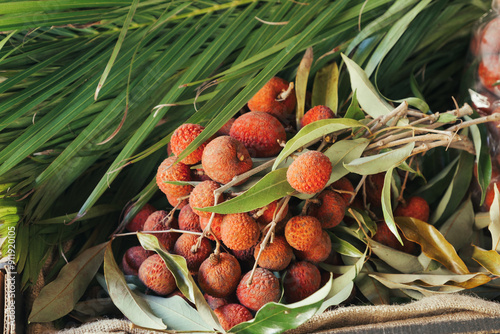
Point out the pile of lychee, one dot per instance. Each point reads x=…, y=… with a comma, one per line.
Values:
x=242, y=261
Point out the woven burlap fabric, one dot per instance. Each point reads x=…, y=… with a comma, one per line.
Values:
x=438, y=314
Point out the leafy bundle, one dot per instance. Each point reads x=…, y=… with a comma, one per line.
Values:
x=90, y=95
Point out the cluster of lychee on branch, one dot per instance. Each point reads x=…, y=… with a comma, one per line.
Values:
x=235, y=256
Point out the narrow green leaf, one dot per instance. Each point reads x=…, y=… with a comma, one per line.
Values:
x=301, y=84
x=369, y=99
x=436, y=186
x=387, y=205
x=494, y=226
x=343, y=152
x=354, y=111
x=177, y=265
x=458, y=228
x=117, y=47
x=6, y=39
x=313, y=131
x=325, y=87
x=343, y=247
x=488, y=259
x=381, y=162
x=467, y=281
x=401, y=261
x=60, y=296
x=126, y=300
x=272, y=186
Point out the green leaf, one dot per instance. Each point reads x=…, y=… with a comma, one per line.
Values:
x=466, y=281
x=458, y=228
x=456, y=189
x=272, y=186
x=6, y=39
x=301, y=83
x=436, y=186
x=60, y=296
x=177, y=265
x=325, y=88
x=312, y=132
x=447, y=118
x=433, y=243
x=387, y=205
x=117, y=47
x=494, y=226
x=381, y=162
x=127, y=301
x=343, y=152
x=488, y=259
x=401, y=261
x=343, y=247
x=354, y=111
x=369, y=99
x=373, y=290
x=483, y=157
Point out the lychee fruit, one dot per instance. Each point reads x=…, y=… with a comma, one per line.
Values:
x=159, y=221
x=215, y=227
x=137, y=223
x=330, y=210
x=275, y=98
x=215, y=302
x=224, y=158
x=415, y=207
x=182, y=137
x=188, y=220
x=265, y=215
x=264, y=288
x=133, y=258
x=245, y=257
x=155, y=275
x=344, y=187
x=239, y=231
x=224, y=130
x=374, y=186
x=177, y=172
x=387, y=238
x=315, y=114
x=231, y=315
x=302, y=232
x=309, y=172
x=203, y=196
x=319, y=252
x=184, y=247
x=276, y=256
x=219, y=275
x=301, y=280
x=176, y=202
x=260, y=132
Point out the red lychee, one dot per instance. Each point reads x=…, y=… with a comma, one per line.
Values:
x=301, y=280
x=224, y=158
x=315, y=114
x=219, y=275
x=159, y=221
x=231, y=315
x=224, y=130
x=269, y=99
x=203, y=196
x=184, y=247
x=260, y=132
x=386, y=237
x=276, y=256
x=309, y=172
x=177, y=172
x=174, y=201
x=302, y=232
x=330, y=210
x=239, y=231
x=189, y=220
x=155, y=275
x=264, y=288
x=344, y=187
x=133, y=258
x=374, y=185
x=182, y=137
x=319, y=252
x=415, y=207
x=265, y=215
x=137, y=223
x=215, y=227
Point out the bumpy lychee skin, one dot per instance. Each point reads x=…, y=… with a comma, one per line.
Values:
x=276, y=256
x=184, y=247
x=202, y=196
x=158, y=221
x=224, y=130
x=182, y=137
x=319, y=252
x=137, y=223
x=260, y=132
x=176, y=202
x=330, y=210
x=177, y=172
x=301, y=280
x=231, y=315
x=302, y=232
x=386, y=237
x=224, y=158
x=415, y=207
x=239, y=231
x=219, y=275
x=315, y=114
x=215, y=302
x=155, y=275
x=189, y=220
x=215, y=227
x=133, y=258
x=374, y=186
x=266, y=214
x=265, y=288
x=309, y=172
x=344, y=187
x=268, y=100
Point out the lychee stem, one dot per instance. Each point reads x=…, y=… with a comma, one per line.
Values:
x=285, y=94
x=172, y=230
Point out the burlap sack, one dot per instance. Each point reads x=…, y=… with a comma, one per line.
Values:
x=438, y=314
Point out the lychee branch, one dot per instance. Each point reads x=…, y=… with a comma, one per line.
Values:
x=172, y=230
